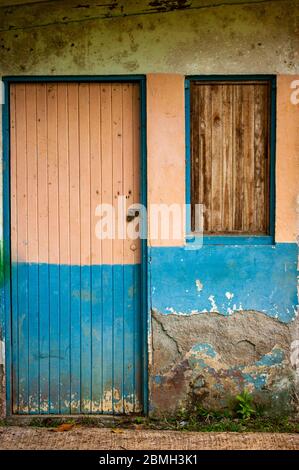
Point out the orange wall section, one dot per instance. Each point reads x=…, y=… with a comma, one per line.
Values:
x=166, y=152
x=165, y=148
x=287, y=159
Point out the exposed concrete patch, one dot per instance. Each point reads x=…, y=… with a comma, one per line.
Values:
x=2, y=394
x=213, y=358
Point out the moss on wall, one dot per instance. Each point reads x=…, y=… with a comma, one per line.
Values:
x=150, y=36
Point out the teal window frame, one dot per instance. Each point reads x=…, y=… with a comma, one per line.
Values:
x=229, y=239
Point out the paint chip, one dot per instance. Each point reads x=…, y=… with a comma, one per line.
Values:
x=229, y=295
x=214, y=307
x=2, y=353
x=199, y=285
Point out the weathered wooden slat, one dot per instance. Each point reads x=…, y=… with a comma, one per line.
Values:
x=227, y=166
x=217, y=160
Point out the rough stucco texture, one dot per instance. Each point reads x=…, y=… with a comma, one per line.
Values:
x=183, y=37
x=2, y=393
x=207, y=359
x=287, y=160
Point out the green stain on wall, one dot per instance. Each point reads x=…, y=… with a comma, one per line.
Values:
x=1, y=264
x=4, y=263
x=146, y=37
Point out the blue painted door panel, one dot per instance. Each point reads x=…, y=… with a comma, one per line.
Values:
x=77, y=343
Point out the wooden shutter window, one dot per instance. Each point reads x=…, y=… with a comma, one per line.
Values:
x=230, y=156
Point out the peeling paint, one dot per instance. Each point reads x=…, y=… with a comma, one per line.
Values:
x=205, y=348
x=2, y=353
x=229, y=295
x=234, y=279
x=214, y=307
x=123, y=405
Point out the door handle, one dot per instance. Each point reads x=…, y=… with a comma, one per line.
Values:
x=132, y=213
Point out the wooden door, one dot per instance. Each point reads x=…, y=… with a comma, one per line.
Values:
x=76, y=308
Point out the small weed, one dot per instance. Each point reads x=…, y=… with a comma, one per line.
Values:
x=45, y=422
x=213, y=421
x=244, y=405
x=89, y=421
x=139, y=420
x=241, y=415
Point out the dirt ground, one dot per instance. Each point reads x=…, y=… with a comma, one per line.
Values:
x=83, y=438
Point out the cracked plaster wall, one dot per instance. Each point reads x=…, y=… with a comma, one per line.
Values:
x=209, y=359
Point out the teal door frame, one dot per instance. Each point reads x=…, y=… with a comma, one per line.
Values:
x=6, y=303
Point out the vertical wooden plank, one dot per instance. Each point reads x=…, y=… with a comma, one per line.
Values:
x=13, y=175
x=248, y=169
x=128, y=165
x=75, y=245
x=267, y=158
x=136, y=160
x=233, y=169
x=74, y=169
x=33, y=311
x=22, y=247
x=217, y=150
x=136, y=294
x=260, y=154
x=128, y=279
x=64, y=248
x=128, y=344
x=22, y=194
x=43, y=236
x=118, y=337
x=85, y=227
x=14, y=250
x=118, y=246
x=117, y=165
x=95, y=168
x=96, y=247
x=138, y=345
x=84, y=166
x=206, y=158
x=106, y=151
x=227, y=108
x=197, y=137
x=31, y=132
x=54, y=258
x=107, y=258
x=239, y=157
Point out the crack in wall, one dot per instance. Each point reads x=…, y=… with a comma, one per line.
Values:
x=109, y=15
x=162, y=326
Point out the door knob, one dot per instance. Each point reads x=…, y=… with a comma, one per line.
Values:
x=132, y=213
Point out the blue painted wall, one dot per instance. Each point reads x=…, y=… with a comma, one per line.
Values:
x=225, y=279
